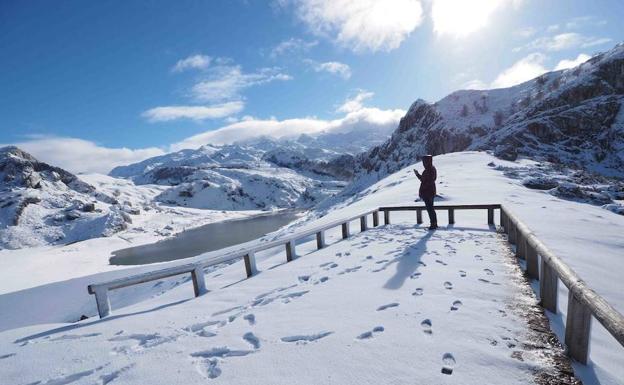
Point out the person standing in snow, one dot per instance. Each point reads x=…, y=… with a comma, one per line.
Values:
x=427, y=189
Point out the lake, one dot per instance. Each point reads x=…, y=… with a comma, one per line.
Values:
x=210, y=237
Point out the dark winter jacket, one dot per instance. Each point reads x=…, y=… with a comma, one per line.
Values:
x=428, y=178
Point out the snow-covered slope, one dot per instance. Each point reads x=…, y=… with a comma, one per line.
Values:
x=42, y=204
x=216, y=336
x=571, y=117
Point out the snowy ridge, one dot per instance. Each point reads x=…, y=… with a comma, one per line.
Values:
x=571, y=117
x=42, y=204
x=442, y=306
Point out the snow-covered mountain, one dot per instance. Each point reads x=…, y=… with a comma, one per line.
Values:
x=570, y=121
x=43, y=204
x=571, y=117
x=257, y=174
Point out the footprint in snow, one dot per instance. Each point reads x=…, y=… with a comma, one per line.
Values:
x=325, y=264
x=448, y=362
x=369, y=334
x=416, y=275
x=252, y=340
x=321, y=280
x=426, y=326
x=462, y=273
x=418, y=292
x=441, y=262
x=251, y=318
x=488, y=272
x=448, y=285
x=387, y=306
x=306, y=338
x=478, y=257
x=303, y=278
x=456, y=305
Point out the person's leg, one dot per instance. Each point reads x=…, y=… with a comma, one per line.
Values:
x=433, y=219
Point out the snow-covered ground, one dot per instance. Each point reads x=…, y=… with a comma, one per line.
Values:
x=168, y=338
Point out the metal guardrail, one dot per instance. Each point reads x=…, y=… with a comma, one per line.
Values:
x=541, y=264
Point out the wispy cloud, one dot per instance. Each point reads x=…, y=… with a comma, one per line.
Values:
x=217, y=93
x=360, y=25
x=565, y=64
x=228, y=81
x=197, y=113
x=192, y=62
x=524, y=69
x=292, y=46
x=356, y=102
x=333, y=67
x=356, y=115
x=78, y=155
x=563, y=41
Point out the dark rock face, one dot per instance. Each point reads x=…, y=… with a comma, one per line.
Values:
x=20, y=169
x=574, y=118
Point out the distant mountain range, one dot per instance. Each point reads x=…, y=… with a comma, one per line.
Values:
x=571, y=119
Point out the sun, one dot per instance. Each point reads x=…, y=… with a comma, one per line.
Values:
x=462, y=17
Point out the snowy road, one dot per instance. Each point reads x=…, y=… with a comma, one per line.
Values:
x=392, y=305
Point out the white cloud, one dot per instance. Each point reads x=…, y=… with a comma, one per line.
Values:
x=221, y=86
x=474, y=84
x=226, y=82
x=585, y=21
x=565, y=64
x=333, y=67
x=192, y=62
x=563, y=41
x=361, y=25
x=292, y=45
x=356, y=117
x=461, y=18
x=78, y=155
x=524, y=69
x=526, y=32
x=355, y=103
x=198, y=113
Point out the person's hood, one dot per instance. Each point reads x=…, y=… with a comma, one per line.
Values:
x=427, y=161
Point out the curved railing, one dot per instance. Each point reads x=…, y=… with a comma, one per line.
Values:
x=541, y=264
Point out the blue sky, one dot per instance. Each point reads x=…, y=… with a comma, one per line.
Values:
x=90, y=85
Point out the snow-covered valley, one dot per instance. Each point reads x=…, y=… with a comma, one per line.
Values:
x=395, y=304
x=161, y=321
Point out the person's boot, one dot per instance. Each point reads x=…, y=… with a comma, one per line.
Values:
x=433, y=226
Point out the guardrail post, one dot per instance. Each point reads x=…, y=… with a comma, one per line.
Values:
x=531, y=261
x=386, y=217
x=548, y=288
x=503, y=219
x=490, y=216
x=577, y=329
x=199, y=284
x=419, y=216
x=102, y=301
x=520, y=244
x=363, y=223
x=320, y=239
x=511, y=233
x=290, y=251
x=451, y=215
x=375, y=218
x=345, y=230
x=250, y=264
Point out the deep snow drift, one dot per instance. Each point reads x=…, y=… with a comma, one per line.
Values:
x=294, y=306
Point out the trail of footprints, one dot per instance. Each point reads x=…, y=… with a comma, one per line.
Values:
x=208, y=362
